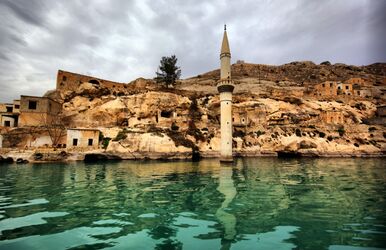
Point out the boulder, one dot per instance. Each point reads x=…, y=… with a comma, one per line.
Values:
x=6, y=159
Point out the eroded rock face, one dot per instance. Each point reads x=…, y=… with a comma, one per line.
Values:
x=272, y=112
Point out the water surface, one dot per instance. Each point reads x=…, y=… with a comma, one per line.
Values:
x=263, y=203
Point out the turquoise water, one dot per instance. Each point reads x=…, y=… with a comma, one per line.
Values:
x=263, y=203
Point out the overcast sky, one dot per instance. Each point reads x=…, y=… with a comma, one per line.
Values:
x=122, y=40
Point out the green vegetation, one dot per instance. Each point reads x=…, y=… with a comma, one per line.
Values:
x=174, y=127
x=105, y=142
x=341, y=131
x=121, y=135
x=322, y=134
x=298, y=132
x=258, y=133
x=168, y=72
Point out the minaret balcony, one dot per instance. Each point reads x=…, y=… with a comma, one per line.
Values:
x=225, y=85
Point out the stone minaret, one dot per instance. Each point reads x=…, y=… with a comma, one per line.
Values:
x=225, y=88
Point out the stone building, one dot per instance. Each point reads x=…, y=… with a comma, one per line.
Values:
x=38, y=111
x=332, y=116
x=249, y=116
x=9, y=114
x=357, y=87
x=357, y=81
x=82, y=138
x=333, y=88
x=68, y=81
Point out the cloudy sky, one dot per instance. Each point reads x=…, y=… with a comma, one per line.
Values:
x=122, y=40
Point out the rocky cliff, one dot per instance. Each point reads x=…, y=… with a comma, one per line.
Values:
x=276, y=112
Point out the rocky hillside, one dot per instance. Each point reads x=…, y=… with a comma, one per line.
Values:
x=273, y=113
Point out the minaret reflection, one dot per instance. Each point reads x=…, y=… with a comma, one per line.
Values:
x=228, y=220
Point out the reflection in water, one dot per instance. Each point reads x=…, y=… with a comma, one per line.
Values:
x=263, y=203
x=227, y=188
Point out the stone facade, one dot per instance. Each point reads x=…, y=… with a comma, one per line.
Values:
x=9, y=114
x=82, y=138
x=7, y=121
x=37, y=111
x=357, y=81
x=333, y=88
x=332, y=117
x=249, y=116
x=68, y=81
x=357, y=87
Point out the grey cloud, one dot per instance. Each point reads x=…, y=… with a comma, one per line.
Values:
x=122, y=40
x=28, y=11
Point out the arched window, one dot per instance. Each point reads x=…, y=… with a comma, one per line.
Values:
x=93, y=81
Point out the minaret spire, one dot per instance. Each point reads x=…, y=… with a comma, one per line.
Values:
x=225, y=87
x=225, y=50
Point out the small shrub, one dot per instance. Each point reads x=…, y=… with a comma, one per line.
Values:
x=311, y=126
x=356, y=145
x=101, y=136
x=322, y=134
x=258, y=133
x=372, y=129
x=174, y=127
x=330, y=138
x=298, y=132
x=105, y=142
x=341, y=131
x=121, y=135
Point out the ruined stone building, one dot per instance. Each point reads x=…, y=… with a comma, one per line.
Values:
x=332, y=116
x=353, y=87
x=9, y=114
x=86, y=138
x=38, y=111
x=68, y=81
x=249, y=116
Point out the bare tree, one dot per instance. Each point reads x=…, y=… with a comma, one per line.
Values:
x=54, y=127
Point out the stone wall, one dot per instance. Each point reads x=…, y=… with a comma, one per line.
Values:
x=82, y=138
x=332, y=117
x=38, y=111
x=68, y=81
x=35, y=104
x=7, y=121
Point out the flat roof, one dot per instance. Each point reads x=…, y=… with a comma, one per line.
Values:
x=40, y=97
x=91, y=129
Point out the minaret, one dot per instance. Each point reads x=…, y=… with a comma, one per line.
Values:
x=225, y=88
